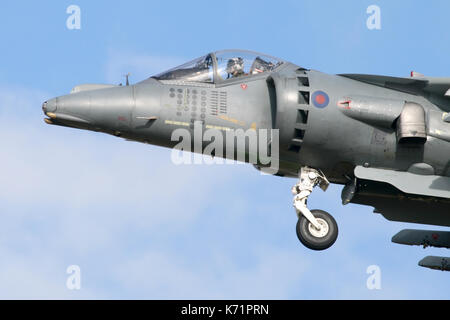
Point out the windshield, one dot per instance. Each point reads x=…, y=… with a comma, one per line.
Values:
x=198, y=70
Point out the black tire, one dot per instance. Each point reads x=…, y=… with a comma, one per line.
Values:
x=317, y=243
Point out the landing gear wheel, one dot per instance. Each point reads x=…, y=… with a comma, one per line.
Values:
x=316, y=239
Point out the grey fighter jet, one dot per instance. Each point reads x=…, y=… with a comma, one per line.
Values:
x=386, y=139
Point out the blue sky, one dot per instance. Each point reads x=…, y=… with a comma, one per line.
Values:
x=141, y=227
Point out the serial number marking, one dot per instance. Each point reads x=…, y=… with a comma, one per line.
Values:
x=246, y=309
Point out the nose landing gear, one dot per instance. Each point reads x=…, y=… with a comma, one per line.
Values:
x=316, y=229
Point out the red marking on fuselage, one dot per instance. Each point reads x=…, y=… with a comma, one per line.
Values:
x=344, y=104
x=244, y=86
x=320, y=99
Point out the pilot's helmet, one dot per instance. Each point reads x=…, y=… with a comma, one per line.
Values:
x=235, y=65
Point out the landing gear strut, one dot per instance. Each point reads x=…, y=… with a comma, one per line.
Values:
x=316, y=229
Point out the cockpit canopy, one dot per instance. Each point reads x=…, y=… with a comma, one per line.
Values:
x=220, y=66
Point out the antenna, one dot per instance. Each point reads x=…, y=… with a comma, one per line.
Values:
x=126, y=77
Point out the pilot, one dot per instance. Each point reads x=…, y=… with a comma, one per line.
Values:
x=235, y=67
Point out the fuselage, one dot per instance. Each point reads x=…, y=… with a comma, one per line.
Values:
x=386, y=139
x=304, y=105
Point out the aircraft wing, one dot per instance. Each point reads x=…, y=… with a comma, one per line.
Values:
x=415, y=85
x=418, y=184
x=402, y=196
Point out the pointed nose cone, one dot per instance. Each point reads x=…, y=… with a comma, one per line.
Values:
x=49, y=106
x=120, y=110
x=105, y=109
x=71, y=109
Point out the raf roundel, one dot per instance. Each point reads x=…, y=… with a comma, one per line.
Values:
x=320, y=99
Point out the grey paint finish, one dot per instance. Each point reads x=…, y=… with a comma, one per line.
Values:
x=425, y=238
x=324, y=133
x=436, y=263
x=428, y=185
x=376, y=111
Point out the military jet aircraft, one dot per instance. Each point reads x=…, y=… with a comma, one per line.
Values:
x=385, y=139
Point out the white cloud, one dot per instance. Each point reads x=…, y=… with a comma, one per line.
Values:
x=272, y=274
x=37, y=275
